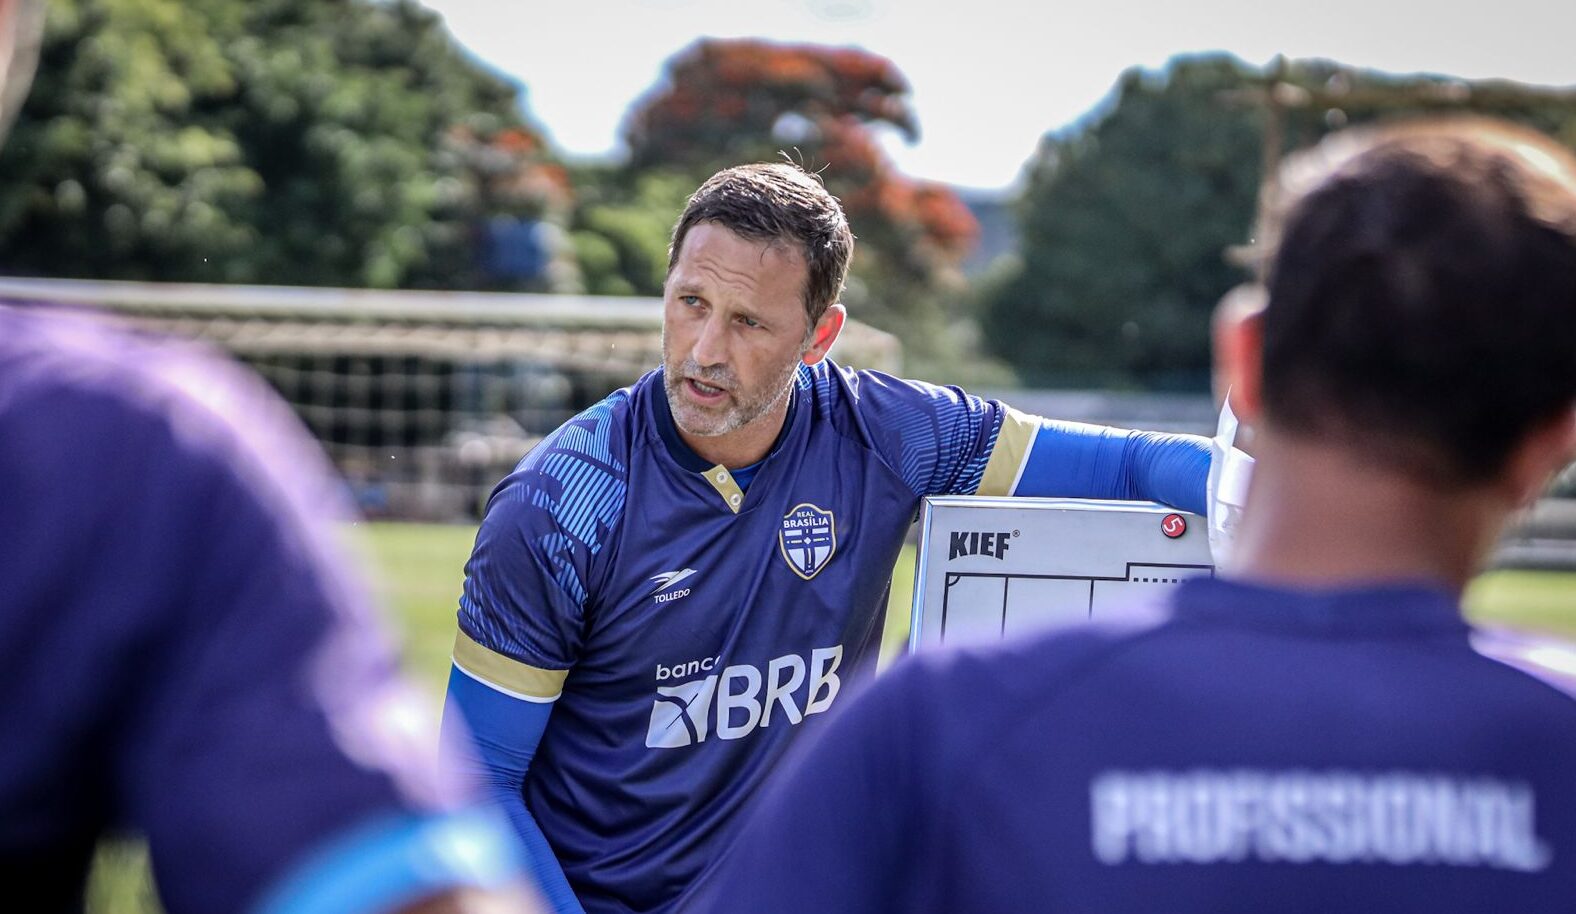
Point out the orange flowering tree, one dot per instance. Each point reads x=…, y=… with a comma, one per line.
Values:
x=724, y=102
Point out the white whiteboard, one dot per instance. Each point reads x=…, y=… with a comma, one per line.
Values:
x=992, y=568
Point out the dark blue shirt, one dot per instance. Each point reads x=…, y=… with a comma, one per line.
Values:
x=1256, y=749
x=684, y=628
x=181, y=653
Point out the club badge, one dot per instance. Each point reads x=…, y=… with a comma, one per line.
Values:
x=808, y=538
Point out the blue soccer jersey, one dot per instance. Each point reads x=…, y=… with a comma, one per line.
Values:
x=1256, y=750
x=180, y=657
x=687, y=627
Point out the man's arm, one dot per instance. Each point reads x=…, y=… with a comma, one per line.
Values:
x=944, y=441
x=1052, y=458
x=505, y=731
x=521, y=620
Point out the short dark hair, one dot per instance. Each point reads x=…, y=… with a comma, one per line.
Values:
x=1422, y=294
x=777, y=202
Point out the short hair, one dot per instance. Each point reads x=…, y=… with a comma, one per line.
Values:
x=777, y=202
x=1422, y=294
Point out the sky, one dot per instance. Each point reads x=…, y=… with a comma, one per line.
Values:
x=989, y=77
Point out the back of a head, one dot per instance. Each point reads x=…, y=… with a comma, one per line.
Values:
x=1422, y=296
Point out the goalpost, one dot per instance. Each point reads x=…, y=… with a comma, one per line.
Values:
x=423, y=400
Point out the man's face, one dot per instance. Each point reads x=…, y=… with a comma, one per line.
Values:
x=733, y=329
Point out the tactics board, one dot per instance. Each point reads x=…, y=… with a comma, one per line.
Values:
x=990, y=568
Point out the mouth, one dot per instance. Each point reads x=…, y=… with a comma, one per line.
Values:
x=703, y=391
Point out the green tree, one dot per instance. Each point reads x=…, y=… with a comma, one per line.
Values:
x=1124, y=223
x=1127, y=217
x=293, y=141
x=622, y=221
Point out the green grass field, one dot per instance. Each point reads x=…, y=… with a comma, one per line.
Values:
x=418, y=569
x=421, y=567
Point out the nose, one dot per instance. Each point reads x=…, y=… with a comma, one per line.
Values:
x=711, y=345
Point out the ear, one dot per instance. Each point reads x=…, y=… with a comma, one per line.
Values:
x=824, y=334
x=1238, y=339
x=1545, y=450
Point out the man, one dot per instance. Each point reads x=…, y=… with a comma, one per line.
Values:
x=1320, y=731
x=181, y=652
x=678, y=580
x=183, y=655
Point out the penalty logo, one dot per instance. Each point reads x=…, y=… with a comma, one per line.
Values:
x=808, y=538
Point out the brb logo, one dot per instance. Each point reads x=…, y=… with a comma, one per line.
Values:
x=969, y=542
x=731, y=704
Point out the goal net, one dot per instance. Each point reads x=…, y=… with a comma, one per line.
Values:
x=423, y=400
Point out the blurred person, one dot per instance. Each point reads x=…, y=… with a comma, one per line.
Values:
x=683, y=577
x=1319, y=730
x=182, y=652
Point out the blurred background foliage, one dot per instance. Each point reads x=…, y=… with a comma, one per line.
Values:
x=355, y=143
x=1127, y=218
x=330, y=142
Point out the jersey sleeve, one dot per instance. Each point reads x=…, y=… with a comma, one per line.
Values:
x=1053, y=458
x=269, y=750
x=530, y=579
x=938, y=439
x=943, y=441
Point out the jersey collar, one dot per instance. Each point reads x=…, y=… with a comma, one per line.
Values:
x=716, y=475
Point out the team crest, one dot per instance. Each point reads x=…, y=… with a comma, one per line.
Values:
x=808, y=538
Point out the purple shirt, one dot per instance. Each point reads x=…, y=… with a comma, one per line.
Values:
x=1255, y=750
x=181, y=652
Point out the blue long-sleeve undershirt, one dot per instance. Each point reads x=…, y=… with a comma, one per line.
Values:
x=506, y=731
x=1075, y=460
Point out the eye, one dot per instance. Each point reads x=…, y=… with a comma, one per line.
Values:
x=748, y=321
x=690, y=300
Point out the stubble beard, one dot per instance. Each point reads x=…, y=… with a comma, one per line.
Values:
x=693, y=420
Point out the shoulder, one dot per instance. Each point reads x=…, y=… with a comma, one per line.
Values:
x=591, y=451
x=77, y=390
x=577, y=478
x=601, y=435
x=72, y=364
x=838, y=386
x=897, y=414
x=1545, y=662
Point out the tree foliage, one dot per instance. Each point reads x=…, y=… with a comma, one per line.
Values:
x=1124, y=224
x=726, y=102
x=729, y=101
x=340, y=142
x=622, y=220
x=1127, y=218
